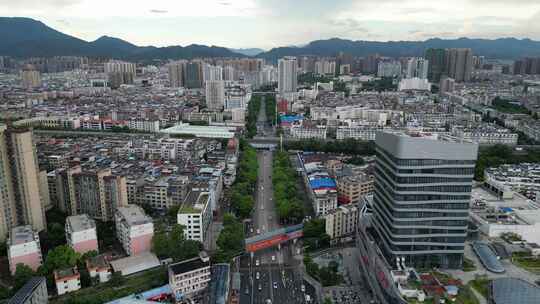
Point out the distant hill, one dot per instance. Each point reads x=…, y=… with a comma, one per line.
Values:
x=249, y=51
x=504, y=48
x=25, y=37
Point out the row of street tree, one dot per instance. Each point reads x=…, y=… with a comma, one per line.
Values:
x=289, y=205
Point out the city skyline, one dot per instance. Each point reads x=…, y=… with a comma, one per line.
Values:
x=252, y=22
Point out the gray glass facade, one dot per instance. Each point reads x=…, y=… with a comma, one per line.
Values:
x=421, y=200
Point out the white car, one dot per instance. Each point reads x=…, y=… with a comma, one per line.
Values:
x=258, y=231
x=275, y=285
x=257, y=275
x=303, y=288
x=273, y=258
x=256, y=262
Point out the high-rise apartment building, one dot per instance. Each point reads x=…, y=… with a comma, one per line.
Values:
x=288, y=78
x=193, y=78
x=31, y=77
x=325, y=67
x=527, y=66
x=460, y=64
x=389, y=68
x=437, y=64
x=20, y=199
x=370, y=64
x=212, y=72
x=446, y=85
x=421, y=201
x=215, y=95
x=417, y=68
x=120, y=72
x=176, y=74
x=98, y=193
x=229, y=73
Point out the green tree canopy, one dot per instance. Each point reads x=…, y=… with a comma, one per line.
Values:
x=23, y=273
x=60, y=257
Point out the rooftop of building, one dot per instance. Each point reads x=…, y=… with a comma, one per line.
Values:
x=195, y=202
x=515, y=211
x=22, y=234
x=80, y=222
x=134, y=215
x=135, y=263
x=66, y=273
x=188, y=265
x=97, y=262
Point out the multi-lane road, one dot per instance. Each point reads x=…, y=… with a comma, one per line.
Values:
x=271, y=275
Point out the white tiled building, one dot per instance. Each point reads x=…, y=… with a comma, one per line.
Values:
x=195, y=215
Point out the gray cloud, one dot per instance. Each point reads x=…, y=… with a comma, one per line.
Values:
x=158, y=11
x=39, y=3
x=349, y=25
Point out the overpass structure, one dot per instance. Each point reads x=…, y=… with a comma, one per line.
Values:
x=263, y=146
x=274, y=238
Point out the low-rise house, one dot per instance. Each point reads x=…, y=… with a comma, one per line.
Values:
x=67, y=280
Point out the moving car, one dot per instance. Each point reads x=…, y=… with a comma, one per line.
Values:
x=275, y=285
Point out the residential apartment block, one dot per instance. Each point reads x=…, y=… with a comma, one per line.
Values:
x=24, y=248
x=81, y=233
x=342, y=221
x=134, y=229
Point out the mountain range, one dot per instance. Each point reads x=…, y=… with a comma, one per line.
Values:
x=249, y=51
x=25, y=37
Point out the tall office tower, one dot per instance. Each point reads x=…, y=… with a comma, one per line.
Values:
x=447, y=85
x=211, y=72
x=31, y=78
x=288, y=78
x=20, y=199
x=417, y=68
x=98, y=193
x=389, y=69
x=176, y=74
x=459, y=64
x=437, y=64
x=193, y=78
x=120, y=72
x=228, y=73
x=422, y=195
x=215, y=95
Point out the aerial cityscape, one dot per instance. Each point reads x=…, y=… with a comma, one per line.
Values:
x=183, y=166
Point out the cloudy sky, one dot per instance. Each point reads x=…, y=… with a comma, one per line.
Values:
x=271, y=23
